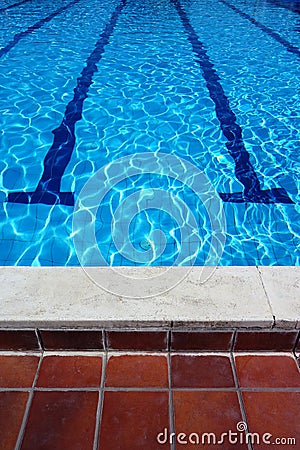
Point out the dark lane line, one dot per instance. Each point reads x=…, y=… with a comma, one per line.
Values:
x=289, y=47
x=32, y=28
x=244, y=170
x=14, y=5
x=291, y=6
x=59, y=155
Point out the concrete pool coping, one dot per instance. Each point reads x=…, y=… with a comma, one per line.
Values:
x=233, y=297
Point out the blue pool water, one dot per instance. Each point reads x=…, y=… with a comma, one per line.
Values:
x=214, y=83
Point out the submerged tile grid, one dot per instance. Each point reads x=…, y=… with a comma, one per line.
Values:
x=108, y=401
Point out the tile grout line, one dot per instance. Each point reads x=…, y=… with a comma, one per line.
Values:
x=28, y=406
x=105, y=340
x=296, y=345
x=100, y=403
x=169, y=340
x=152, y=389
x=123, y=389
x=15, y=389
x=271, y=389
x=233, y=341
x=171, y=402
x=240, y=397
x=39, y=338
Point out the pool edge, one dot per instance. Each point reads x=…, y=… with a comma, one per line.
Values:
x=234, y=297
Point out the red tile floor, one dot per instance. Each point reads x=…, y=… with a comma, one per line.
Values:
x=136, y=401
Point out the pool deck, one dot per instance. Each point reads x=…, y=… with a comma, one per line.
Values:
x=233, y=297
x=134, y=401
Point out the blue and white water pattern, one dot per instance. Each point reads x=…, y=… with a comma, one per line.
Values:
x=213, y=82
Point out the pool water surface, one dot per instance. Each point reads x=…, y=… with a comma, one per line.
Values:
x=213, y=83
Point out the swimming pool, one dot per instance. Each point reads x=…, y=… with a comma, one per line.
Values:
x=214, y=83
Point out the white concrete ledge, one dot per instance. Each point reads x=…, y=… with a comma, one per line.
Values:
x=282, y=286
x=233, y=297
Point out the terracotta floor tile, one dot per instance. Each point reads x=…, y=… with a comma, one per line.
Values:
x=61, y=421
x=12, y=408
x=277, y=413
x=17, y=371
x=267, y=371
x=132, y=420
x=207, y=412
x=70, y=371
x=201, y=371
x=137, y=371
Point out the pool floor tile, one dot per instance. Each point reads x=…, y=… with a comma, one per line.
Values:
x=277, y=413
x=206, y=412
x=133, y=420
x=267, y=371
x=61, y=421
x=137, y=371
x=70, y=371
x=12, y=408
x=17, y=371
x=207, y=371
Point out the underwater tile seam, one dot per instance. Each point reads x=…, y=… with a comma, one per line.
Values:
x=32, y=28
x=289, y=47
x=286, y=5
x=14, y=5
x=248, y=297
